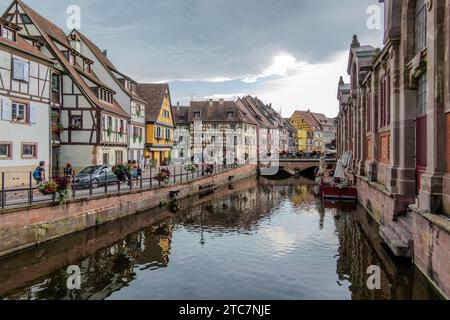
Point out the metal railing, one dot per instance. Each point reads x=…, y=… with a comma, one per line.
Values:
x=27, y=196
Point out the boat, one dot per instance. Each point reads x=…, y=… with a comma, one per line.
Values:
x=337, y=187
x=332, y=191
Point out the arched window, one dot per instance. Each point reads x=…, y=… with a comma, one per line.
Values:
x=420, y=23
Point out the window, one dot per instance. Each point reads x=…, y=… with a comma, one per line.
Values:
x=55, y=82
x=166, y=114
x=384, y=100
x=158, y=132
x=181, y=152
x=25, y=18
x=5, y=150
x=110, y=122
x=421, y=98
x=168, y=134
x=76, y=122
x=72, y=59
x=197, y=115
x=119, y=157
x=29, y=150
x=213, y=139
x=420, y=26
x=20, y=70
x=19, y=112
x=230, y=115
x=87, y=66
x=105, y=158
x=7, y=33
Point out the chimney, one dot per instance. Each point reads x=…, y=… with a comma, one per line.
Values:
x=105, y=52
x=211, y=102
x=221, y=102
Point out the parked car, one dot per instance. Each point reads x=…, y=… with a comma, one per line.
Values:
x=98, y=174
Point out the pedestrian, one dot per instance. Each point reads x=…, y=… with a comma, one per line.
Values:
x=129, y=167
x=68, y=171
x=39, y=173
x=142, y=162
x=134, y=171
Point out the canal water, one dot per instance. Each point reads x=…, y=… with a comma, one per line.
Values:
x=258, y=239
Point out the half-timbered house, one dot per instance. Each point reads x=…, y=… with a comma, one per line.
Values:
x=159, y=119
x=92, y=126
x=25, y=106
x=125, y=89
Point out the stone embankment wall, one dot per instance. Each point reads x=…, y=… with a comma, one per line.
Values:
x=20, y=229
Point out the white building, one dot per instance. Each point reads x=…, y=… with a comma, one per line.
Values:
x=219, y=132
x=124, y=87
x=181, y=150
x=25, y=134
x=93, y=127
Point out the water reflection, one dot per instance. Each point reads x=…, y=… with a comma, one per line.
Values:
x=262, y=240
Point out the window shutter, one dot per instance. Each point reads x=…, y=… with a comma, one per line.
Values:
x=26, y=71
x=6, y=109
x=33, y=113
x=388, y=98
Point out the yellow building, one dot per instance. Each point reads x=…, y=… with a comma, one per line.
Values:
x=159, y=120
x=302, y=122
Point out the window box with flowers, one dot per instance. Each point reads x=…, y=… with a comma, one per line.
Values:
x=109, y=131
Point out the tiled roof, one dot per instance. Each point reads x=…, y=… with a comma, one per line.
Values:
x=309, y=119
x=49, y=32
x=322, y=119
x=254, y=107
x=24, y=46
x=106, y=63
x=46, y=26
x=181, y=114
x=153, y=94
x=218, y=111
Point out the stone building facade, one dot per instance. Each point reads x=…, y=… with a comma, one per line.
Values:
x=394, y=121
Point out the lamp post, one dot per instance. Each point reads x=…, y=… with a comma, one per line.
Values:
x=203, y=152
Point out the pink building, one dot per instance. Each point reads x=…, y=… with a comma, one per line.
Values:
x=395, y=122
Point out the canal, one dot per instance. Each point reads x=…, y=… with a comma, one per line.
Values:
x=259, y=239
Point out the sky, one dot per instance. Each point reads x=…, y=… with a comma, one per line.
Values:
x=287, y=52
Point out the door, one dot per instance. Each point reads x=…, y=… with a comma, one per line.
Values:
x=105, y=159
x=421, y=130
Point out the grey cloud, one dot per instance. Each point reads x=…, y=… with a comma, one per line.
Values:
x=203, y=39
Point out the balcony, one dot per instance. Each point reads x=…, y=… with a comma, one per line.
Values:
x=110, y=136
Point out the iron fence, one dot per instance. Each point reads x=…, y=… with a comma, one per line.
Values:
x=27, y=196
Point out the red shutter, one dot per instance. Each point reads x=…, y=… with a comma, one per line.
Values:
x=369, y=111
x=388, y=99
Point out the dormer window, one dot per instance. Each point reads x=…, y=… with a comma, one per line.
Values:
x=105, y=95
x=230, y=115
x=197, y=115
x=8, y=33
x=87, y=66
x=72, y=59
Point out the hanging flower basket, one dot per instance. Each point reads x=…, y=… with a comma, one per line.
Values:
x=163, y=176
x=191, y=167
x=58, y=186
x=121, y=171
x=209, y=168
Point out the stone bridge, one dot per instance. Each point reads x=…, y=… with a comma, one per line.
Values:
x=300, y=165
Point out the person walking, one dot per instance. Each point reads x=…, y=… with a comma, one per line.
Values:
x=39, y=173
x=68, y=171
x=134, y=171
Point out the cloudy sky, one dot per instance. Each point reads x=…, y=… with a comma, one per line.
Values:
x=287, y=52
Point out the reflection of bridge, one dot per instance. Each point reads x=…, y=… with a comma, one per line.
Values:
x=304, y=164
